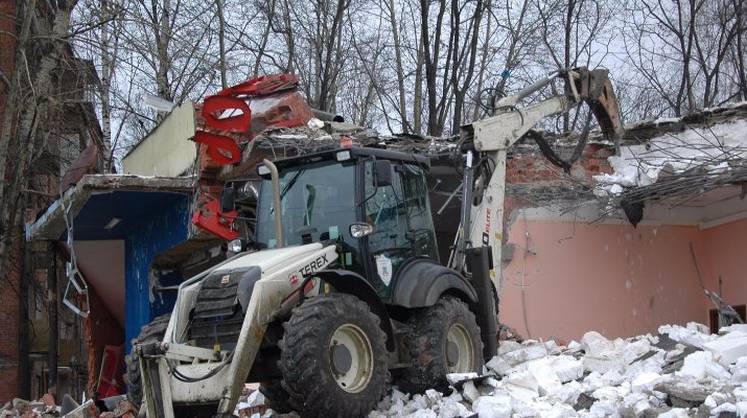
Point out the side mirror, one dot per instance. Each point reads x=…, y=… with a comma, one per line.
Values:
x=382, y=173
x=360, y=229
x=228, y=199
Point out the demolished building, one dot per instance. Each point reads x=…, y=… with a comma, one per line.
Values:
x=570, y=263
x=579, y=264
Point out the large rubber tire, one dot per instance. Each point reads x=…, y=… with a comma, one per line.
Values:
x=151, y=332
x=431, y=340
x=278, y=399
x=313, y=344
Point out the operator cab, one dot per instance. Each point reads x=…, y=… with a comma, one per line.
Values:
x=372, y=202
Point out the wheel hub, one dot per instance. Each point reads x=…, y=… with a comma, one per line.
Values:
x=459, y=350
x=350, y=358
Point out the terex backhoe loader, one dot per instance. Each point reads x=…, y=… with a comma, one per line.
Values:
x=345, y=291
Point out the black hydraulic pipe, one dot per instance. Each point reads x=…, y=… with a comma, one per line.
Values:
x=478, y=261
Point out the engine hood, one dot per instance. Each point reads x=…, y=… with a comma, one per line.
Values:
x=271, y=260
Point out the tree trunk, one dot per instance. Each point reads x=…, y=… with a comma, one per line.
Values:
x=417, y=102
x=221, y=43
x=106, y=76
x=398, y=62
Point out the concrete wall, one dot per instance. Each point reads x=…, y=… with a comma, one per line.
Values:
x=567, y=278
x=103, y=263
x=167, y=151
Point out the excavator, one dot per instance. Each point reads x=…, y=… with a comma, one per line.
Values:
x=342, y=292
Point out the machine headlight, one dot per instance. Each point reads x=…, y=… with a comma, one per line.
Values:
x=248, y=191
x=236, y=246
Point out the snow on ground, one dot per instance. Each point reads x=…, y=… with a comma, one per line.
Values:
x=670, y=153
x=682, y=372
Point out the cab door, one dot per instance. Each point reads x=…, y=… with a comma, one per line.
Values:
x=402, y=226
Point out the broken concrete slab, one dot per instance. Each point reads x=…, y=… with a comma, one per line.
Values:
x=701, y=364
x=739, y=371
x=603, y=362
x=469, y=391
x=594, y=343
x=493, y=407
x=728, y=348
x=733, y=328
x=685, y=390
x=455, y=378
x=645, y=382
x=694, y=334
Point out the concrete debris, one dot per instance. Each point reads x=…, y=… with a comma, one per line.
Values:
x=733, y=328
x=46, y=407
x=685, y=371
x=702, y=364
x=728, y=348
x=739, y=371
x=693, y=334
x=254, y=404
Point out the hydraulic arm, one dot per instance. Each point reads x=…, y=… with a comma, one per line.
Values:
x=491, y=138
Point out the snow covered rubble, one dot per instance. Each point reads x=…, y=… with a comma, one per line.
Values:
x=684, y=371
x=710, y=148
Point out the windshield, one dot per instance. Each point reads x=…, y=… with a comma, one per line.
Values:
x=317, y=201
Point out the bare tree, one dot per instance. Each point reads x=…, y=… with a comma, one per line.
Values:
x=29, y=102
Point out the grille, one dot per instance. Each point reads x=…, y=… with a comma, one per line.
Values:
x=217, y=315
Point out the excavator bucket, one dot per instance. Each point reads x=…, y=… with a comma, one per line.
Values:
x=595, y=88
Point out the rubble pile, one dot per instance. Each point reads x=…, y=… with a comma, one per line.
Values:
x=46, y=407
x=682, y=372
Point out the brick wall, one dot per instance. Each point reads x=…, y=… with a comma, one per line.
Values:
x=532, y=181
x=9, y=312
x=530, y=166
x=9, y=301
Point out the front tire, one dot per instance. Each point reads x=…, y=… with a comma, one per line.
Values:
x=444, y=338
x=333, y=357
x=154, y=331
x=278, y=399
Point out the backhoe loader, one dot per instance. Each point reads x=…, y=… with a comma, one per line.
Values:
x=343, y=292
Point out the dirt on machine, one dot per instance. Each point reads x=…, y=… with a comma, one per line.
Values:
x=341, y=291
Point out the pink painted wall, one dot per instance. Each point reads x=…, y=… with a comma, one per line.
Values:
x=568, y=278
x=725, y=253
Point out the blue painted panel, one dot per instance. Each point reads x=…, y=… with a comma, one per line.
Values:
x=164, y=301
x=157, y=230
x=132, y=208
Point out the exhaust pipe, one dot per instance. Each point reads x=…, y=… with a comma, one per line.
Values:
x=275, y=178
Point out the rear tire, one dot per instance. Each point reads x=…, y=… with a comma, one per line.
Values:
x=333, y=357
x=444, y=338
x=151, y=332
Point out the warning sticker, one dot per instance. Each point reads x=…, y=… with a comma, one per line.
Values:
x=384, y=268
